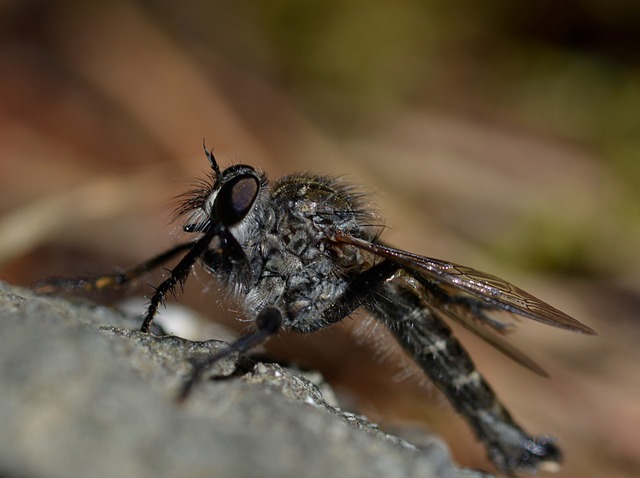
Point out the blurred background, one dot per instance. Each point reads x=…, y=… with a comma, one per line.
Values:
x=500, y=135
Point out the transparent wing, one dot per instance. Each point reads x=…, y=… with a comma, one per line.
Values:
x=490, y=289
x=475, y=323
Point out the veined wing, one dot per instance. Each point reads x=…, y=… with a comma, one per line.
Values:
x=479, y=328
x=486, y=287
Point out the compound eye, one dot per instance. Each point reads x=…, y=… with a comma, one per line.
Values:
x=236, y=198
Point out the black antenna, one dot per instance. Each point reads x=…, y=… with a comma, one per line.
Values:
x=211, y=158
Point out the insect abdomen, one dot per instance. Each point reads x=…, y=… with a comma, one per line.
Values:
x=434, y=348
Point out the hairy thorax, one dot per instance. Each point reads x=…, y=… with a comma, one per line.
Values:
x=295, y=266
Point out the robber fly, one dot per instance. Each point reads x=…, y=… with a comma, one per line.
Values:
x=304, y=252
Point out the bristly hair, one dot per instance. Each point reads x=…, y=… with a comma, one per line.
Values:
x=194, y=198
x=197, y=197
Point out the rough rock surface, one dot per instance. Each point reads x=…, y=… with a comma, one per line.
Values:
x=82, y=393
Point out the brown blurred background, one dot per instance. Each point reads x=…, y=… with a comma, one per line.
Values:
x=501, y=135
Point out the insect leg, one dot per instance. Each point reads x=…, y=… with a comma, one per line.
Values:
x=268, y=323
x=269, y=320
x=355, y=295
x=432, y=345
x=180, y=272
x=109, y=281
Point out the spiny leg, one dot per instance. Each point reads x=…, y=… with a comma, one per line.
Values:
x=430, y=342
x=179, y=274
x=269, y=321
x=109, y=281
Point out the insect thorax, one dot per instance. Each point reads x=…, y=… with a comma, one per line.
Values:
x=295, y=267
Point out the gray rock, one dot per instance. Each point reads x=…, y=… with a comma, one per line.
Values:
x=82, y=393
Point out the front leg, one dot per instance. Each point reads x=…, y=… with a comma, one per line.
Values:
x=204, y=246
